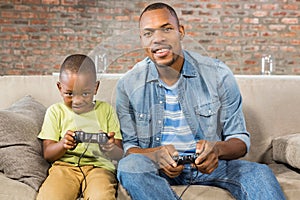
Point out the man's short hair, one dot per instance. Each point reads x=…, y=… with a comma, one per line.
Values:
x=160, y=5
x=78, y=63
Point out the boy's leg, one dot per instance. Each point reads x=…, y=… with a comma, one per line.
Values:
x=62, y=183
x=101, y=184
x=140, y=177
x=244, y=180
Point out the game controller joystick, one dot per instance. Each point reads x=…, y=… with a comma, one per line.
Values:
x=185, y=159
x=100, y=138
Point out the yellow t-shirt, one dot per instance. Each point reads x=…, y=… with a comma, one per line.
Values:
x=59, y=119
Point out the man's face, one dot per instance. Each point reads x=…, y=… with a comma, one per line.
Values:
x=78, y=91
x=160, y=36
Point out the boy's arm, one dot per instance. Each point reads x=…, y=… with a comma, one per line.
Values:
x=54, y=150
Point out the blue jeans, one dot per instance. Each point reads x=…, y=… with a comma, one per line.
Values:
x=243, y=179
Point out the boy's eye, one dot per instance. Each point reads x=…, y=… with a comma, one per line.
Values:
x=69, y=94
x=86, y=94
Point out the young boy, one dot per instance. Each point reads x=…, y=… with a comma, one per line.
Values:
x=79, y=168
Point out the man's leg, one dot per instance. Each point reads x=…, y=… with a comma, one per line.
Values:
x=244, y=180
x=140, y=177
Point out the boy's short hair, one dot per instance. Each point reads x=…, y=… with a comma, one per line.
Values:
x=78, y=63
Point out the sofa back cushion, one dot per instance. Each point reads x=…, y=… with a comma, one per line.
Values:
x=20, y=151
x=271, y=105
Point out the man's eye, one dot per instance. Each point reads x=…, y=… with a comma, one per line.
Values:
x=147, y=34
x=167, y=29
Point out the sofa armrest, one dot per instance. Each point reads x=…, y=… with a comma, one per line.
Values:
x=286, y=149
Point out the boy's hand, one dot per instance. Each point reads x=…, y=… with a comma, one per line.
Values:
x=113, y=148
x=68, y=140
x=110, y=143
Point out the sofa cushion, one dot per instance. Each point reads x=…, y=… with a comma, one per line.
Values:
x=14, y=190
x=286, y=149
x=289, y=179
x=20, y=150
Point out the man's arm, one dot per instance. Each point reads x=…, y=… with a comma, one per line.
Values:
x=231, y=149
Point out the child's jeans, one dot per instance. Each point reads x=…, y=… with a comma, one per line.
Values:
x=66, y=181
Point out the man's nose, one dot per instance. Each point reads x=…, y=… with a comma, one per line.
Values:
x=158, y=36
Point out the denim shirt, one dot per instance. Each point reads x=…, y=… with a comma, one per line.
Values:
x=207, y=92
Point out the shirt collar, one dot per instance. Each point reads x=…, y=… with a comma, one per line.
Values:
x=188, y=69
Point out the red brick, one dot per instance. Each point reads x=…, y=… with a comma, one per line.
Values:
x=290, y=6
x=234, y=31
x=52, y=2
x=290, y=20
x=279, y=27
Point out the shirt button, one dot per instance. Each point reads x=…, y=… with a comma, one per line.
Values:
x=157, y=139
x=141, y=115
x=160, y=102
x=159, y=121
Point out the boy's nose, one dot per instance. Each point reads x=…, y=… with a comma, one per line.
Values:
x=77, y=99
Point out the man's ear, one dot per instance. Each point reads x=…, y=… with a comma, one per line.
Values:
x=97, y=87
x=181, y=32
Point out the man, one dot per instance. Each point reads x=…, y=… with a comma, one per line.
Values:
x=179, y=103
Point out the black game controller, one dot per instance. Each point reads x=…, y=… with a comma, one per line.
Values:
x=185, y=159
x=81, y=136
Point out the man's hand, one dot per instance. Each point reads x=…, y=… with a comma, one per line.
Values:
x=208, y=158
x=166, y=163
x=162, y=156
x=211, y=152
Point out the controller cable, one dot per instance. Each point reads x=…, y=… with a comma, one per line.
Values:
x=78, y=164
x=190, y=183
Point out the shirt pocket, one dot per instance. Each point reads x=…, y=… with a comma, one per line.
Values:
x=207, y=116
x=208, y=110
x=143, y=125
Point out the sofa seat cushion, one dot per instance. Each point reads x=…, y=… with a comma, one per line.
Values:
x=20, y=151
x=289, y=179
x=193, y=192
x=286, y=149
x=14, y=190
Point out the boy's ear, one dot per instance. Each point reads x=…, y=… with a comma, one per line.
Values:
x=97, y=87
x=58, y=85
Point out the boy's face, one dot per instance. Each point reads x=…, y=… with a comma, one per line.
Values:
x=161, y=36
x=78, y=91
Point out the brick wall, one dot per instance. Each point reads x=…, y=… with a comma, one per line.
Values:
x=36, y=35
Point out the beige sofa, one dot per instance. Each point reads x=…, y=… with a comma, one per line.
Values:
x=271, y=107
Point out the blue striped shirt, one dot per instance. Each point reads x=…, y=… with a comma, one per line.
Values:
x=176, y=131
